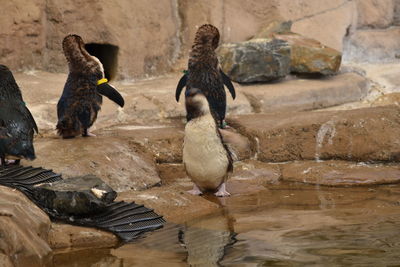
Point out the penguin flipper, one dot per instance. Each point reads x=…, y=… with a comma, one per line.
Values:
x=182, y=83
x=228, y=83
x=111, y=93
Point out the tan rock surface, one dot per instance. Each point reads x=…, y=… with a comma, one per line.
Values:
x=22, y=34
x=252, y=170
x=108, y=22
x=377, y=45
x=237, y=144
x=163, y=142
x=329, y=21
x=114, y=160
x=173, y=202
x=23, y=230
x=368, y=134
x=388, y=99
x=306, y=94
x=375, y=13
x=63, y=236
x=340, y=173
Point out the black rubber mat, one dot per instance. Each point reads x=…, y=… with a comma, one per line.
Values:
x=126, y=220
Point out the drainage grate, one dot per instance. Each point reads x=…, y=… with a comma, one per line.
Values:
x=126, y=220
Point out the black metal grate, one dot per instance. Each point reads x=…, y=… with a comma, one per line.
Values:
x=126, y=220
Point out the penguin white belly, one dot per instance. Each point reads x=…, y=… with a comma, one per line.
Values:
x=204, y=155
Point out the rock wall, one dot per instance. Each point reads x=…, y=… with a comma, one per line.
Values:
x=154, y=37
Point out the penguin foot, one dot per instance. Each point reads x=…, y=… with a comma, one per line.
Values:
x=10, y=162
x=88, y=134
x=222, y=191
x=195, y=191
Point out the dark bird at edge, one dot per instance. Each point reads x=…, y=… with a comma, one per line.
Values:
x=17, y=125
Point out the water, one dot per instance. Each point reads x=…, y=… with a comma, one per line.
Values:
x=283, y=225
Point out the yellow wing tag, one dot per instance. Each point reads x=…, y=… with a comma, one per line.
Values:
x=101, y=81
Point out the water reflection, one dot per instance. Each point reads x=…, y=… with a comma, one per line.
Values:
x=283, y=225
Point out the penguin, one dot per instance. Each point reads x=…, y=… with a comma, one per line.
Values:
x=81, y=98
x=17, y=125
x=206, y=159
x=204, y=72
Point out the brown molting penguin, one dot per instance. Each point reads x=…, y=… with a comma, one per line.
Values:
x=204, y=73
x=17, y=125
x=81, y=98
x=206, y=158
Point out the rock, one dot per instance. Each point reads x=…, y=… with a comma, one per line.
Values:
x=326, y=21
x=375, y=13
x=86, y=257
x=63, y=236
x=388, y=99
x=339, y=173
x=119, y=163
x=396, y=14
x=171, y=172
x=275, y=26
x=251, y=170
x=82, y=195
x=369, y=134
x=164, y=142
x=381, y=45
x=173, y=202
x=22, y=34
x=238, y=144
x=23, y=231
x=309, y=56
x=151, y=56
x=258, y=60
x=306, y=94
x=5, y=261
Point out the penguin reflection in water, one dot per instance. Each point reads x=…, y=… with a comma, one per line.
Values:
x=204, y=73
x=81, y=98
x=206, y=159
x=17, y=125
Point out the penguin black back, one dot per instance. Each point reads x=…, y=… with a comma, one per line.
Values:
x=17, y=125
x=81, y=100
x=204, y=72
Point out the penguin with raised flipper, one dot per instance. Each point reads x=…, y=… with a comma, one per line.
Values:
x=82, y=95
x=206, y=158
x=17, y=125
x=204, y=72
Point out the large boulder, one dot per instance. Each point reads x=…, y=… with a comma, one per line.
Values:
x=309, y=56
x=368, y=135
x=257, y=60
x=23, y=231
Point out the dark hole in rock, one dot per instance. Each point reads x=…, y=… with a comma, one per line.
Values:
x=108, y=56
